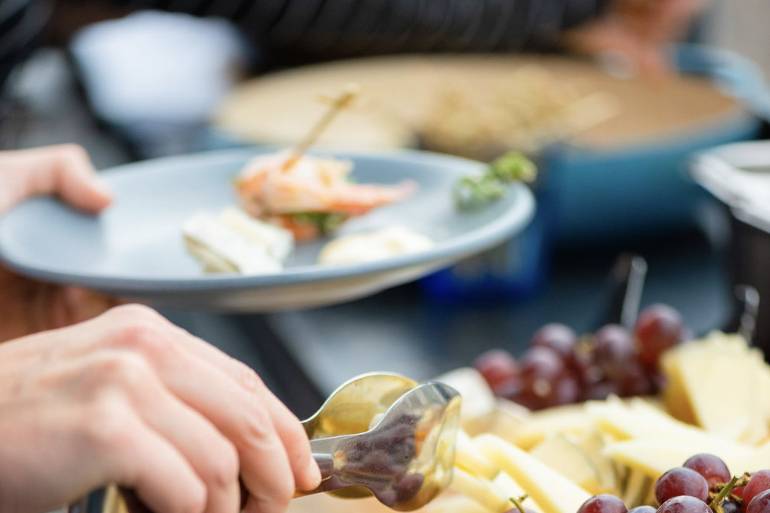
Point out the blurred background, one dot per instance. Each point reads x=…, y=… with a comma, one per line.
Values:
x=615, y=126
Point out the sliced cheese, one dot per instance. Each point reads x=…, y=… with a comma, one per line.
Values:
x=551, y=490
x=359, y=248
x=637, y=422
x=479, y=404
x=593, y=444
x=232, y=242
x=571, y=461
x=637, y=488
x=278, y=242
x=722, y=385
x=508, y=420
x=479, y=490
x=468, y=458
x=654, y=456
x=509, y=488
x=717, y=377
x=570, y=420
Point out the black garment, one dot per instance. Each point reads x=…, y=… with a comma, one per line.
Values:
x=303, y=30
x=294, y=31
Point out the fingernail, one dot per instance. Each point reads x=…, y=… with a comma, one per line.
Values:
x=324, y=465
x=100, y=187
x=321, y=467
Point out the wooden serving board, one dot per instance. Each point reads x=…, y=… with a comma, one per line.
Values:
x=328, y=504
x=400, y=92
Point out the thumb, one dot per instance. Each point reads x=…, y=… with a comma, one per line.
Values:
x=63, y=170
x=75, y=181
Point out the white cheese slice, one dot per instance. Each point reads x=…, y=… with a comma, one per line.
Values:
x=509, y=488
x=231, y=242
x=371, y=246
x=468, y=458
x=551, y=490
x=571, y=420
x=654, y=456
x=568, y=459
x=278, y=243
x=480, y=490
x=697, y=392
x=479, y=405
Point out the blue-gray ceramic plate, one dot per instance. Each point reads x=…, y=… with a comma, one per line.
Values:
x=135, y=248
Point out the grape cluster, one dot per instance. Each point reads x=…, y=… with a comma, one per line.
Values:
x=702, y=485
x=560, y=368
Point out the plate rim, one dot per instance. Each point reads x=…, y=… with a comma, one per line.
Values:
x=515, y=218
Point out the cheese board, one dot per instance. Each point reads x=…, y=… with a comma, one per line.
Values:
x=692, y=447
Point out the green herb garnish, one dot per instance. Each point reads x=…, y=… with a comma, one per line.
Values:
x=324, y=222
x=476, y=190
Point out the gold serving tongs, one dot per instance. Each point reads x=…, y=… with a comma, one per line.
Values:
x=378, y=434
x=387, y=436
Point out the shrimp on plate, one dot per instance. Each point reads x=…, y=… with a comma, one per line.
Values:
x=313, y=196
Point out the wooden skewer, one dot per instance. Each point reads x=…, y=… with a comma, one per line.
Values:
x=338, y=104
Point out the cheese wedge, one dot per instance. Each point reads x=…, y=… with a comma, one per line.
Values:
x=509, y=418
x=232, y=242
x=568, y=459
x=551, y=490
x=637, y=489
x=674, y=394
x=593, y=444
x=696, y=392
x=468, y=458
x=703, y=368
x=508, y=487
x=569, y=420
x=639, y=422
x=479, y=404
x=479, y=490
x=654, y=456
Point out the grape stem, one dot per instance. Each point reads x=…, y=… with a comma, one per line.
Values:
x=716, y=503
x=518, y=502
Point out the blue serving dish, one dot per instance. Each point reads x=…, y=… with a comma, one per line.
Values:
x=644, y=189
x=608, y=197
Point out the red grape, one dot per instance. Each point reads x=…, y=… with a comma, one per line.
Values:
x=759, y=482
x=603, y=504
x=710, y=467
x=557, y=337
x=634, y=380
x=497, y=366
x=526, y=397
x=544, y=394
x=684, y=504
x=738, y=491
x=731, y=507
x=658, y=380
x=584, y=365
x=642, y=509
x=760, y=503
x=599, y=391
x=613, y=345
x=566, y=391
x=541, y=370
x=658, y=328
x=681, y=481
x=541, y=364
